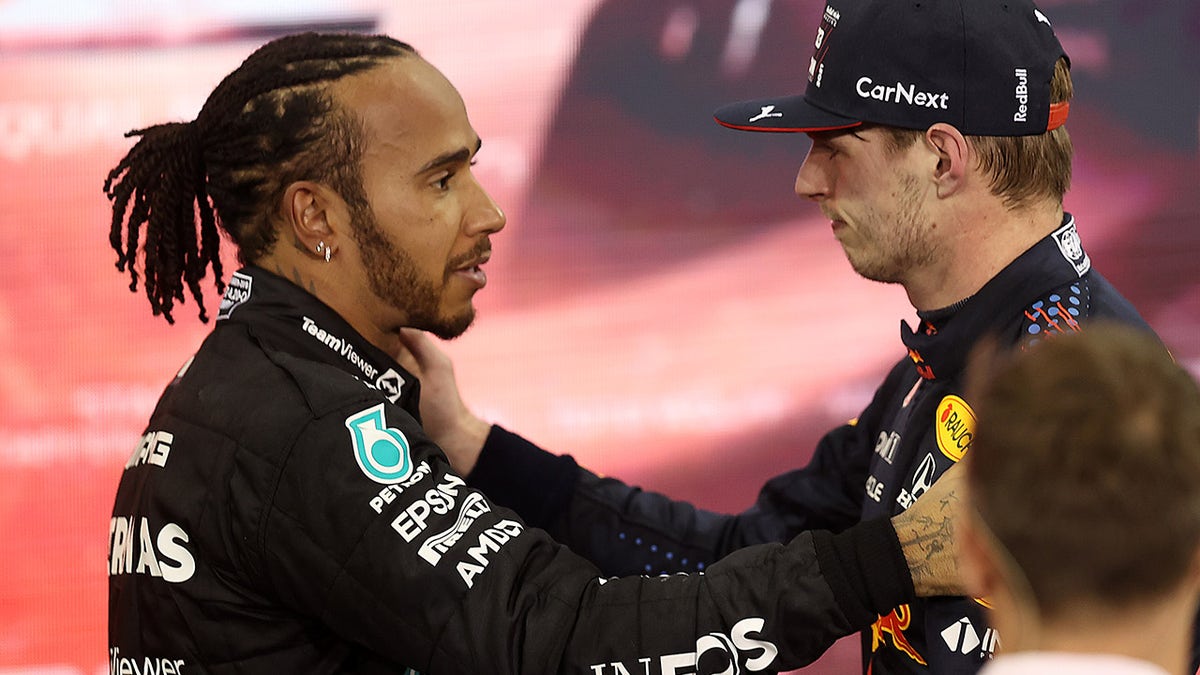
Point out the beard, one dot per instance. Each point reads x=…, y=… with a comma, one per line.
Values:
x=393, y=277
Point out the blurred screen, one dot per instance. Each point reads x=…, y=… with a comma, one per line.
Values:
x=660, y=305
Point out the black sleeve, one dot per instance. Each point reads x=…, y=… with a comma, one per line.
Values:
x=379, y=539
x=626, y=530
x=525, y=478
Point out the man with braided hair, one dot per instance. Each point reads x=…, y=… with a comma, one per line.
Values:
x=263, y=126
x=285, y=511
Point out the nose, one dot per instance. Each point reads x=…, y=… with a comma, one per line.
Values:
x=485, y=216
x=812, y=181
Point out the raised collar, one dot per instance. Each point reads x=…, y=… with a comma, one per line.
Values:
x=285, y=317
x=939, y=348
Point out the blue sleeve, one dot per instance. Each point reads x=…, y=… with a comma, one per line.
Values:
x=626, y=530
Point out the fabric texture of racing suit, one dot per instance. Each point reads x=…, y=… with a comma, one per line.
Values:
x=285, y=513
x=916, y=426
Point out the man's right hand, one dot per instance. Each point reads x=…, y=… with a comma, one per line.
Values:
x=926, y=533
x=444, y=416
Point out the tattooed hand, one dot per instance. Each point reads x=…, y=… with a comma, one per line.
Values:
x=926, y=533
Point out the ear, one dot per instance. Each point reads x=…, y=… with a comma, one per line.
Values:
x=315, y=216
x=953, y=153
x=1193, y=571
x=977, y=563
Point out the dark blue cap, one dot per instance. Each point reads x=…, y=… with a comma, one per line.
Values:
x=983, y=66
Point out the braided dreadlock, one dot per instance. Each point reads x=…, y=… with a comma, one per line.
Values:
x=267, y=124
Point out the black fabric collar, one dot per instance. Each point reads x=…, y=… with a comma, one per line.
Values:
x=939, y=348
x=284, y=316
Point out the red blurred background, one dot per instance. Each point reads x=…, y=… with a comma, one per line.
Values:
x=661, y=305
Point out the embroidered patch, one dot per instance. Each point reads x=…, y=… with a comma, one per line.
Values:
x=1068, y=242
x=954, y=424
x=236, y=292
x=382, y=452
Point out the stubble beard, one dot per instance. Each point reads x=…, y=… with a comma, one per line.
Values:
x=393, y=278
x=900, y=243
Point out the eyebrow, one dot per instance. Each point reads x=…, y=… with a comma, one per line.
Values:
x=453, y=157
x=834, y=134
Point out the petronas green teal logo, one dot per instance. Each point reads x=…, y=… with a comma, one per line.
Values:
x=381, y=451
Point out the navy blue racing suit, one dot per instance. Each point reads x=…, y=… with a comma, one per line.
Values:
x=916, y=426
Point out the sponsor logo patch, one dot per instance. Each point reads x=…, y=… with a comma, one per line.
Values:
x=962, y=637
x=886, y=445
x=874, y=488
x=901, y=94
x=816, y=65
x=143, y=665
x=135, y=547
x=1068, y=242
x=391, y=384
x=437, y=501
x=1022, y=95
x=437, y=545
x=382, y=452
x=236, y=293
x=490, y=540
x=954, y=423
x=767, y=111
x=339, y=345
x=153, y=448
x=742, y=651
x=922, y=480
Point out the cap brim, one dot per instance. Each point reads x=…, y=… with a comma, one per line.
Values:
x=780, y=114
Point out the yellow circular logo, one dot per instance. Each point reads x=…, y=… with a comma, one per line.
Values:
x=955, y=426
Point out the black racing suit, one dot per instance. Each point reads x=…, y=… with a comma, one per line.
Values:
x=285, y=513
x=916, y=426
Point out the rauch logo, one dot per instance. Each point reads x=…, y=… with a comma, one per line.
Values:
x=955, y=426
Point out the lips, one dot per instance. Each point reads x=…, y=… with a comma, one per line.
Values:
x=835, y=220
x=472, y=269
x=478, y=261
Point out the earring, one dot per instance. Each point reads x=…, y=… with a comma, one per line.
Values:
x=327, y=250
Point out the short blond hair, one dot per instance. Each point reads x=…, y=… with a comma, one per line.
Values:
x=1021, y=169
